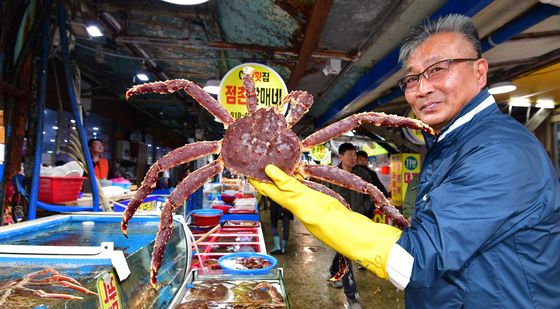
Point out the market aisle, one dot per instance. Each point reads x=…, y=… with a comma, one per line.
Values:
x=306, y=265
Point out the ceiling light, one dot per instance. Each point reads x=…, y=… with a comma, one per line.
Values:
x=212, y=86
x=185, y=2
x=545, y=103
x=332, y=67
x=520, y=102
x=143, y=77
x=93, y=31
x=502, y=87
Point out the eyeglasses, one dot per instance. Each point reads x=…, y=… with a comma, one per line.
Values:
x=434, y=73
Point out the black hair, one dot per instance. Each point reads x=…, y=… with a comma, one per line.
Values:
x=362, y=154
x=90, y=142
x=344, y=147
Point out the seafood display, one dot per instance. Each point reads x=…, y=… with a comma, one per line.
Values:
x=253, y=262
x=230, y=294
x=32, y=282
x=250, y=143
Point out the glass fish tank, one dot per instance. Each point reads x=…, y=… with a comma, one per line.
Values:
x=78, y=261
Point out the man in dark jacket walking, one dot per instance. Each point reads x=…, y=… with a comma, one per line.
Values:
x=360, y=203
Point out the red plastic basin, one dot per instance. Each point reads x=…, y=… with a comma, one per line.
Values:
x=227, y=198
x=206, y=217
x=223, y=208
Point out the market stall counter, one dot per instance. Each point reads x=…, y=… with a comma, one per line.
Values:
x=234, y=236
x=83, y=260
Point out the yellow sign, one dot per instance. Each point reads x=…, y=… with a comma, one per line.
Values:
x=270, y=87
x=373, y=149
x=319, y=152
x=108, y=291
x=404, y=167
x=415, y=136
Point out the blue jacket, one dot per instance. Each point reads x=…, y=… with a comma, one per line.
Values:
x=486, y=228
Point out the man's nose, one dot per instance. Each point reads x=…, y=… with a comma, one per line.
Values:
x=425, y=86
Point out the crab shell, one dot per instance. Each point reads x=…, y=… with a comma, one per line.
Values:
x=256, y=140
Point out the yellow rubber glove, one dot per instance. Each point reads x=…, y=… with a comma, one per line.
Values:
x=352, y=234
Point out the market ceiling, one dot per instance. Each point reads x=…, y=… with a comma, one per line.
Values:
x=298, y=38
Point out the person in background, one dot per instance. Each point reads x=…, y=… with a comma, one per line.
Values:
x=486, y=229
x=363, y=161
x=359, y=203
x=100, y=164
x=410, y=198
x=278, y=213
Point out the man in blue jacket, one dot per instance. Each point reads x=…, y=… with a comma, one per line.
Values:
x=485, y=232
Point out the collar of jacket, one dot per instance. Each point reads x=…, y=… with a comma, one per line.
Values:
x=480, y=102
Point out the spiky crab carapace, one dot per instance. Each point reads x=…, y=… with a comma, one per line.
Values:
x=250, y=143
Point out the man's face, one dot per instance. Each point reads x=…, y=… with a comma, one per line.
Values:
x=96, y=147
x=363, y=161
x=437, y=103
x=348, y=158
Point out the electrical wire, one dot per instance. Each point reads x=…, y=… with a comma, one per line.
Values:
x=116, y=55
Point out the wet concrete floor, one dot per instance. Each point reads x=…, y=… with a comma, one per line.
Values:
x=306, y=269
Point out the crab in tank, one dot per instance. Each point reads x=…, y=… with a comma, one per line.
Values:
x=250, y=143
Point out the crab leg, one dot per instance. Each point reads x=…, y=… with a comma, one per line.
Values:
x=54, y=278
x=300, y=102
x=176, y=157
x=342, y=268
x=354, y=121
x=44, y=294
x=348, y=180
x=173, y=85
x=250, y=92
x=190, y=184
x=64, y=283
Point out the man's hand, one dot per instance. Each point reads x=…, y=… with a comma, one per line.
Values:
x=352, y=234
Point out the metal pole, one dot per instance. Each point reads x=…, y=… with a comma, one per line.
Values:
x=73, y=100
x=33, y=195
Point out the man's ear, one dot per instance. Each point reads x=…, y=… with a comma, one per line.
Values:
x=481, y=68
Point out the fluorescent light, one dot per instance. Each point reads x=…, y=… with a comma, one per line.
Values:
x=55, y=127
x=72, y=121
x=185, y=2
x=149, y=145
x=502, y=87
x=95, y=129
x=212, y=86
x=94, y=31
x=94, y=133
x=52, y=140
x=520, y=102
x=143, y=77
x=545, y=103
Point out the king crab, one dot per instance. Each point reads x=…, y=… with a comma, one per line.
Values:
x=43, y=277
x=250, y=143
